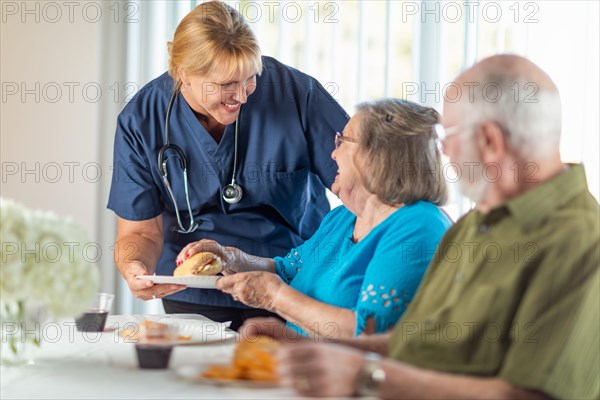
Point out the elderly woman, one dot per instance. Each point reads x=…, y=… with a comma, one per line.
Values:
x=360, y=270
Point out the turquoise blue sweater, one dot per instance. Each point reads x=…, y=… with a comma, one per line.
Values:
x=376, y=277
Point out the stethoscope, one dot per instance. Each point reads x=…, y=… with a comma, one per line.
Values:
x=232, y=192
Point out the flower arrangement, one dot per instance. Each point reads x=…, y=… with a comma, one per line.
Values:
x=42, y=266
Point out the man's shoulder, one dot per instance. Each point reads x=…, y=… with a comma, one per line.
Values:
x=463, y=223
x=576, y=220
x=582, y=207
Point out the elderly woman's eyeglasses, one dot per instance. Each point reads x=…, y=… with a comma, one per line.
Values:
x=339, y=138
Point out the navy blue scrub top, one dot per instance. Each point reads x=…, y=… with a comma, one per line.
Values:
x=286, y=136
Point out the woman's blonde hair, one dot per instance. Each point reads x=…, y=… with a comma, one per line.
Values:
x=213, y=36
x=398, y=156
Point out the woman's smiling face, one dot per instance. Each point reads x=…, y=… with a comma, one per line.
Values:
x=347, y=178
x=217, y=96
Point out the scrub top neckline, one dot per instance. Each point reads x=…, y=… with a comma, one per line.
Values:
x=199, y=132
x=220, y=135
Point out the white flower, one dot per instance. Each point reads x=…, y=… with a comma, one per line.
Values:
x=42, y=261
x=13, y=225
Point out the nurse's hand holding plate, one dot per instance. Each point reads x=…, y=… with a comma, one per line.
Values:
x=146, y=290
x=138, y=246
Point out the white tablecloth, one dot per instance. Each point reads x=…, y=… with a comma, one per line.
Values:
x=101, y=366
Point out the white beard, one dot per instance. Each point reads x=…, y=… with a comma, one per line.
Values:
x=475, y=190
x=472, y=183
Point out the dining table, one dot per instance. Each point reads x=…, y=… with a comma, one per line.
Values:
x=71, y=364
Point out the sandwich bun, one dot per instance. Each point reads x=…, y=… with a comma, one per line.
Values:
x=204, y=263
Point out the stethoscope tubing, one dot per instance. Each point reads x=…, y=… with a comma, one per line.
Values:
x=232, y=193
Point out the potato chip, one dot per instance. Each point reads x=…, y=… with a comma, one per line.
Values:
x=253, y=359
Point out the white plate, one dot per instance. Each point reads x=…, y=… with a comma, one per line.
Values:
x=194, y=373
x=200, y=282
x=188, y=333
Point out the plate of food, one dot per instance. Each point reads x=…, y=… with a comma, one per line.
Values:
x=253, y=366
x=199, y=282
x=197, y=271
x=175, y=332
x=196, y=374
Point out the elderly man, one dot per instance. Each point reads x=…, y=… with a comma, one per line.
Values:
x=500, y=312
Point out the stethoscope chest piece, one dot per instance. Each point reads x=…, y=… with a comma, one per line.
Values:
x=232, y=193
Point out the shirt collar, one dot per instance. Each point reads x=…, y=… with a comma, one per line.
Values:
x=533, y=207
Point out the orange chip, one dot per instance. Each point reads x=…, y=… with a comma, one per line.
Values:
x=253, y=359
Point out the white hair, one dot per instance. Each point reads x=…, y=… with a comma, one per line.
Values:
x=529, y=116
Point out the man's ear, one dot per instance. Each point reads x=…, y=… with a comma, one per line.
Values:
x=491, y=142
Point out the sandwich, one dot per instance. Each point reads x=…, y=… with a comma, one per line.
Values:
x=204, y=263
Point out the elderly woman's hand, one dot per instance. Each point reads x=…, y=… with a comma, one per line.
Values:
x=257, y=289
x=230, y=256
x=234, y=260
x=320, y=370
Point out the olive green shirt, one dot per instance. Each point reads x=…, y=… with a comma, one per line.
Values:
x=581, y=348
x=504, y=291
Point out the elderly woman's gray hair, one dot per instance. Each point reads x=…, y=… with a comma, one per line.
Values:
x=399, y=160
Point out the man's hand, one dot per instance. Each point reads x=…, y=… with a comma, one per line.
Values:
x=272, y=327
x=256, y=289
x=320, y=370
